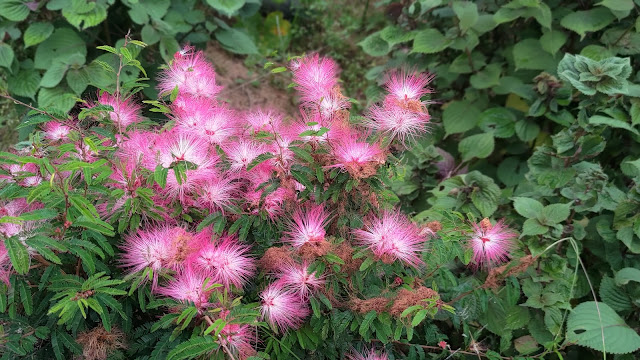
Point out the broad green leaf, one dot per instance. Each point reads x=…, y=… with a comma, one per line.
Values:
x=597, y=326
x=527, y=207
x=396, y=35
x=18, y=255
x=528, y=54
x=62, y=45
x=556, y=213
x=236, y=41
x=617, y=5
x=430, y=41
x=623, y=276
x=487, y=77
x=14, y=10
x=614, y=295
x=499, y=121
x=552, y=41
x=56, y=98
x=78, y=80
x=460, y=116
x=533, y=227
x=37, y=33
x=476, y=146
x=586, y=21
x=467, y=13
x=25, y=83
x=226, y=7
x=53, y=75
x=375, y=45
x=6, y=55
x=527, y=130
x=605, y=120
x=526, y=344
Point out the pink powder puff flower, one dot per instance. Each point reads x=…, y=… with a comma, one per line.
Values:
x=307, y=226
x=282, y=308
x=215, y=191
x=392, y=237
x=315, y=76
x=400, y=122
x=242, y=152
x=125, y=112
x=139, y=145
x=271, y=204
x=239, y=338
x=225, y=261
x=183, y=190
x=5, y=264
x=180, y=147
x=189, y=286
x=491, y=244
x=298, y=278
x=264, y=120
x=358, y=157
x=55, y=131
x=368, y=355
x=201, y=118
x=406, y=89
x=191, y=73
x=146, y=249
x=15, y=208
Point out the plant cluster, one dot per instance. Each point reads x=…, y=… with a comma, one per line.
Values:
x=536, y=122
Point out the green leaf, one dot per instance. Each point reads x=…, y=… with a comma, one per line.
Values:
x=56, y=98
x=396, y=35
x=375, y=45
x=528, y=54
x=555, y=213
x=467, y=13
x=597, y=326
x=498, y=121
x=259, y=160
x=552, y=41
x=476, y=146
x=236, y=41
x=527, y=207
x=6, y=55
x=617, y=5
x=487, y=77
x=460, y=116
x=605, y=120
x=53, y=75
x=527, y=130
x=26, y=83
x=366, y=322
x=18, y=254
x=78, y=80
x=613, y=295
x=525, y=344
x=623, y=276
x=226, y=7
x=192, y=348
x=62, y=45
x=586, y=21
x=430, y=41
x=533, y=227
x=14, y=10
x=37, y=33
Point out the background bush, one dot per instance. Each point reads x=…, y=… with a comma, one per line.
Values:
x=534, y=120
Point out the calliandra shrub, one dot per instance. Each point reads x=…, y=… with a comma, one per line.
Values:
x=215, y=233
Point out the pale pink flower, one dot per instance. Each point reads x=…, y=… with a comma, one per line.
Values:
x=392, y=237
x=264, y=120
x=146, y=249
x=189, y=286
x=315, y=76
x=298, y=278
x=399, y=122
x=184, y=189
x=180, y=147
x=368, y=355
x=242, y=152
x=239, y=338
x=200, y=118
x=282, y=308
x=491, y=244
x=405, y=89
x=331, y=103
x=358, y=157
x=307, y=226
x=191, y=73
x=5, y=264
x=140, y=146
x=216, y=191
x=15, y=208
x=55, y=131
x=125, y=112
x=225, y=261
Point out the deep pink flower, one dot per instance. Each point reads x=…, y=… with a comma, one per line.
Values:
x=216, y=191
x=307, y=226
x=239, y=338
x=368, y=355
x=393, y=237
x=125, y=112
x=15, y=208
x=191, y=73
x=179, y=147
x=315, y=76
x=200, y=118
x=358, y=157
x=401, y=123
x=146, y=249
x=225, y=261
x=140, y=146
x=55, y=131
x=282, y=308
x=242, y=152
x=191, y=287
x=405, y=89
x=298, y=278
x=491, y=244
x=5, y=264
x=264, y=120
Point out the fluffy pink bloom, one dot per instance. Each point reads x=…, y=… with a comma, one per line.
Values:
x=298, y=278
x=282, y=308
x=146, y=249
x=264, y=120
x=360, y=158
x=15, y=208
x=183, y=190
x=216, y=191
x=125, y=112
x=199, y=117
x=307, y=226
x=401, y=123
x=139, y=145
x=393, y=237
x=271, y=204
x=191, y=73
x=368, y=355
x=180, y=147
x=406, y=89
x=239, y=338
x=191, y=287
x=491, y=244
x=5, y=264
x=225, y=261
x=331, y=103
x=242, y=152
x=316, y=76
x=55, y=131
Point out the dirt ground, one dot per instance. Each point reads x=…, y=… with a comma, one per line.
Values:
x=246, y=88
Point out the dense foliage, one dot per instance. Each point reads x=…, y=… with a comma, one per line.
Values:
x=180, y=228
